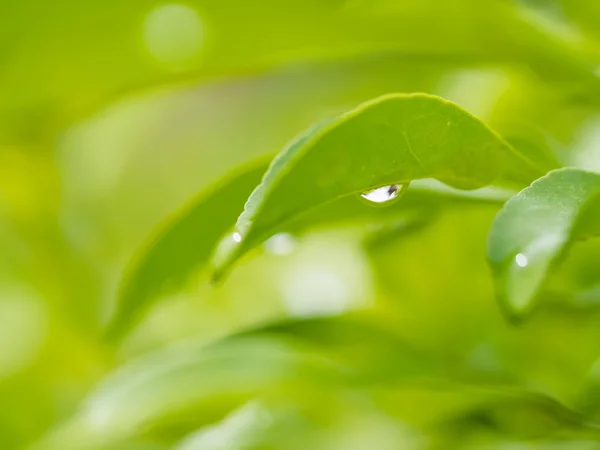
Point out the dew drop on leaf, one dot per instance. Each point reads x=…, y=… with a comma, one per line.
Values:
x=526, y=270
x=384, y=194
x=521, y=260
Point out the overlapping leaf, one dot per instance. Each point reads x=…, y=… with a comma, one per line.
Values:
x=391, y=140
x=535, y=228
x=181, y=247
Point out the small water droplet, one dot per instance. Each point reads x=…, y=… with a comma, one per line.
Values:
x=521, y=260
x=237, y=237
x=384, y=194
x=526, y=270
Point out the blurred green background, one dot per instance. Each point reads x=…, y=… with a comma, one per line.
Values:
x=363, y=335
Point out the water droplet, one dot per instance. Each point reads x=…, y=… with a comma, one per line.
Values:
x=237, y=237
x=521, y=260
x=384, y=194
x=526, y=271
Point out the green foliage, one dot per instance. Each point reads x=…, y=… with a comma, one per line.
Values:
x=392, y=140
x=535, y=228
x=185, y=243
x=462, y=313
x=182, y=246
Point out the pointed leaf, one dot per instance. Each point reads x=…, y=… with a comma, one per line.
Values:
x=535, y=228
x=181, y=247
x=391, y=140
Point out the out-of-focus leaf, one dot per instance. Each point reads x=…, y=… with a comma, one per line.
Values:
x=585, y=14
x=181, y=247
x=241, y=430
x=481, y=416
x=366, y=349
x=55, y=74
x=535, y=228
x=188, y=386
x=521, y=415
x=588, y=401
x=469, y=416
x=176, y=390
x=391, y=140
x=181, y=388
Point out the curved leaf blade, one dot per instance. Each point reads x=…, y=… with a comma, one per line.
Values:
x=181, y=247
x=393, y=139
x=535, y=228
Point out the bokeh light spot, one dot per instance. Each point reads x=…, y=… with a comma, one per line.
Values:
x=174, y=35
x=521, y=260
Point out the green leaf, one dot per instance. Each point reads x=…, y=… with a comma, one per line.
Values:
x=535, y=228
x=191, y=384
x=367, y=350
x=187, y=386
x=521, y=414
x=469, y=414
x=393, y=139
x=418, y=202
x=243, y=429
x=181, y=247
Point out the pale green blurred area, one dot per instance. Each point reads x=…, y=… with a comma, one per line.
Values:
x=113, y=114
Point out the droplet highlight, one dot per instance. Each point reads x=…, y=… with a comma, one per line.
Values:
x=237, y=237
x=524, y=273
x=384, y=194
x=521, y=260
